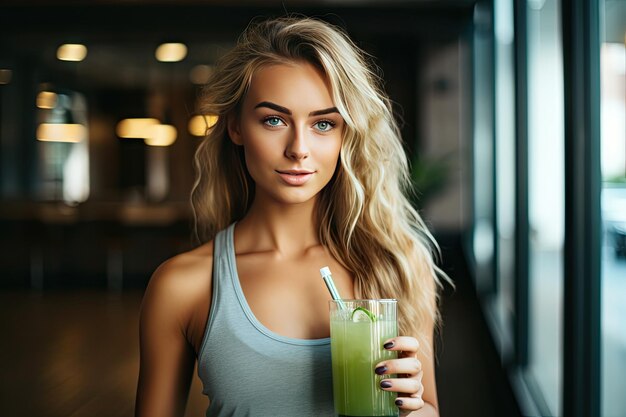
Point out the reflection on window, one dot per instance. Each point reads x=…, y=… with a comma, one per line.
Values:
x=545, y=198
x=613, y=151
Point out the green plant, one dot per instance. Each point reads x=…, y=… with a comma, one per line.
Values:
x=430, y=177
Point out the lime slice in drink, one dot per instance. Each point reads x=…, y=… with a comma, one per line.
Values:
x=361, y=314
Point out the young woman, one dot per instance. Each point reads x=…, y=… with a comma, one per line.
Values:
x=305, y=168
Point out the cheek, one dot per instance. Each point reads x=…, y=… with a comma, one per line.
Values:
x=255, y=157
x=257, y=147
x=331, y=152
x=261, y=159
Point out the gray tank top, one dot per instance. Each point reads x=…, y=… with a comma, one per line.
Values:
x=246, y=369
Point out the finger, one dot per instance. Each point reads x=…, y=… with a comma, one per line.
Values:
x=408, y=403
x=411, y=366
x=420, y=391
x=405, y=366
x=409, y=386
x=402, y=343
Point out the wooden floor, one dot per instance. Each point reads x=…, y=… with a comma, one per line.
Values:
x=72, y=354
x=75, y=354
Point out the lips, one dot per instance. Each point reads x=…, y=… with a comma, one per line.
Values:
x=295, y=176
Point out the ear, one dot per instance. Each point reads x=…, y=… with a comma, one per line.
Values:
x=234, y=131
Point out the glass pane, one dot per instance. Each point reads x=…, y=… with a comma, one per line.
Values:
x=613, y=153
x=546, y=197
x=505, y=168
x=483, y=233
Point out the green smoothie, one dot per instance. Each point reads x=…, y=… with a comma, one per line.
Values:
x=356, y=347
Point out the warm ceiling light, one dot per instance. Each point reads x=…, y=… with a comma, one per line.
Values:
x=171, y=52
x=59, y=132
x=135, y=128
x=5, y=76
x=72, y=52
x=161, y=135
x=199, y=125
x=200, y=74
x=46, y=100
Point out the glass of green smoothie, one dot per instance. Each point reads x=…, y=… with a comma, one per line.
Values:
x=358, y=330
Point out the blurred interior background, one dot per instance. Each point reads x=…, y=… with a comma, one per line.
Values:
x=514, y=121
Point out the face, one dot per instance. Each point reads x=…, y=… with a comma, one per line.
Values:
x=291, y=132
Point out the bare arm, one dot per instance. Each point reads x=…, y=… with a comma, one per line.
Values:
x=166, y=356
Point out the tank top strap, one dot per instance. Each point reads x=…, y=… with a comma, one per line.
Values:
x=223, y=293
x=231, y=290
x=222, y=247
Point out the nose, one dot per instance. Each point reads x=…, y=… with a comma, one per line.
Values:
x=297, y=148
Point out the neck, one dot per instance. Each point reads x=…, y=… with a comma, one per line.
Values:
x=281, y=228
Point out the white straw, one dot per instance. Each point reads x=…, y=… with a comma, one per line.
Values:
x=328, y=279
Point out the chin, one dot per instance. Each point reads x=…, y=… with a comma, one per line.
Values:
x=294, y=197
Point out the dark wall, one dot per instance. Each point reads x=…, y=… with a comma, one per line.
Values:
x=120, y=234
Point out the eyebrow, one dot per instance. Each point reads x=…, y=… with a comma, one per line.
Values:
x=285, y=110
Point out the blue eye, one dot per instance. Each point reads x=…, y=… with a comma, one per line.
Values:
x=273, y=121
x=324, y=125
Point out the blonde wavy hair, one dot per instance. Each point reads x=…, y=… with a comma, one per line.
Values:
x=365, y=218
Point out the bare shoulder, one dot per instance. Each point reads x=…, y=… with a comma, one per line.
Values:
x=182, y=274
x=186, y=268
x=180, y=288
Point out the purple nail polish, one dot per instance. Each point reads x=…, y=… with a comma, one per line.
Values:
x=388, y=345
x=380, y=370
x=385, y=384
x=398, y=403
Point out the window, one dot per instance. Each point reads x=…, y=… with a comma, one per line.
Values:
x=505, y=170
x=546, y=195
x=483, y=158
x=613, y=205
